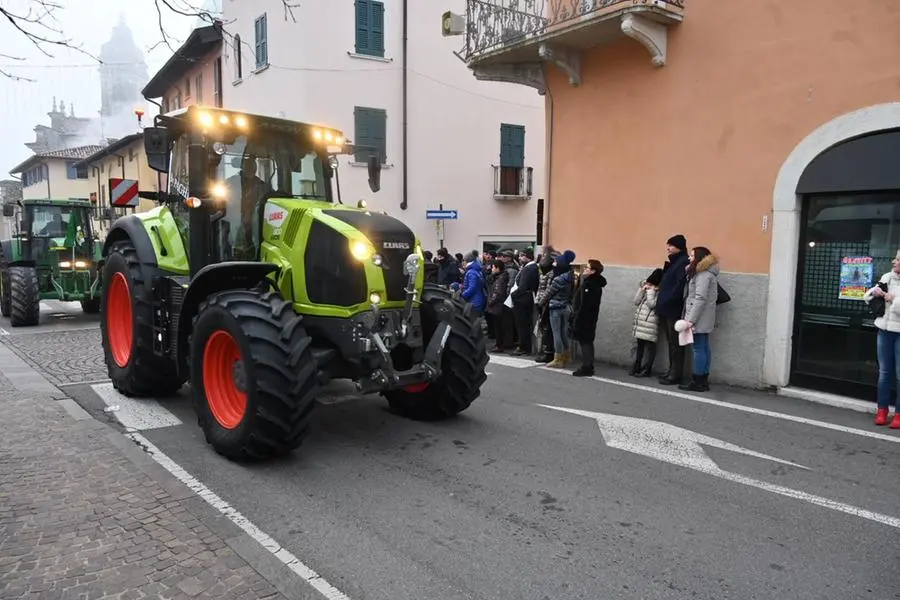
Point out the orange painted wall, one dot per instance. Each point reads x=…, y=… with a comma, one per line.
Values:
x=640, y=153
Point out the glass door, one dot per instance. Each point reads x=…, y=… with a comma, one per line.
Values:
x=846, y=245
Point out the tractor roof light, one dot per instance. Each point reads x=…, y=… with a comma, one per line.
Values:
x=241, y=121
x=361, y=250
x=219, y=191
x=205, y=119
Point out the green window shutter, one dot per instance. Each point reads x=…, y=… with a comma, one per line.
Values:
x=262, y=46
x=376, y=29
x=370, y=128
x=512, y=145
x=363, y=10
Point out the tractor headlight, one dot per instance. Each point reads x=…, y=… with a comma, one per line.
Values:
x=218, y=191
x=378, y=260
x=81, y=264
x=361, y=250
x=65, y=264
x=375, y=298
x=411, y=265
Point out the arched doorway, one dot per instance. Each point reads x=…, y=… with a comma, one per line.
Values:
x=785, y=230
x=849, y=234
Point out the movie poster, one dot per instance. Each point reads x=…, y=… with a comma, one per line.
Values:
x=857, y=274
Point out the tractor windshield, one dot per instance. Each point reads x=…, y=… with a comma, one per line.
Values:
x=50, y=221
x=56, y=227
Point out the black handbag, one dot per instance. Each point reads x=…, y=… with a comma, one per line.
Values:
x=721, y=295
x=877, y=305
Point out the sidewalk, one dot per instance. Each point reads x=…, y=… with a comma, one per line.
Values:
x=85, y=514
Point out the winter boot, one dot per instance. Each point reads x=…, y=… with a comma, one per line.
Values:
x=698, y=383
x=881, y=416
x=895, y=422
x=544, y=357
x=584, y=371
x=647, y=371
x=556, y=363
x=635, y=369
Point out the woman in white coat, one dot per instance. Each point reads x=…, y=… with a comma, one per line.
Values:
x=888, y=342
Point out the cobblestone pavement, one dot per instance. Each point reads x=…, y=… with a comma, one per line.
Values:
x=80, y=519
x=63, y=357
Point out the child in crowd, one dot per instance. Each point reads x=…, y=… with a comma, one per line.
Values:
x=646, y=324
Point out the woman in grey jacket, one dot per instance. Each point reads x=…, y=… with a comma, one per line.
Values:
x=702, y=292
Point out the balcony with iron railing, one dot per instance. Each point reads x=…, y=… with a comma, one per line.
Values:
x=509, y=40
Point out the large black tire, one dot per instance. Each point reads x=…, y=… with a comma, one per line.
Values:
x=141, y=372
x=25, y=297
x=5, y=297
x=269, y=366
x=462, y=363
x=90, y=307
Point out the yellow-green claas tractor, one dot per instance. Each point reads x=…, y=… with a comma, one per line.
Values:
x=255, y=284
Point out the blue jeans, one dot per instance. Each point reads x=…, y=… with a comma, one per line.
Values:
x=702, y=354
x=559, y=324
x=888, y=366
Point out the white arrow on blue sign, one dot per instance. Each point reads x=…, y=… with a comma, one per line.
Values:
x=441, y=214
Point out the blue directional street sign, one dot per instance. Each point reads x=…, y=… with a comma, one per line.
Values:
x=441, y=214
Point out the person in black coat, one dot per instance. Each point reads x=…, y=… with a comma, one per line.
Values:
x=503, y=316
x=585, y=312
x=670, y=305
x=448, y=268
x=523, y=300
x=431, y=269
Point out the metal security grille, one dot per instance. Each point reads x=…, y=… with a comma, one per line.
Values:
x=822, y=275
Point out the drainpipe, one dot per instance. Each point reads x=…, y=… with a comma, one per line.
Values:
x=548, y=201
x=47, y=167
x=404, y=202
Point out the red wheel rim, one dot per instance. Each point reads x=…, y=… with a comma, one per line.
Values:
x=416, y=388
x=227, y=402
x=119, y=326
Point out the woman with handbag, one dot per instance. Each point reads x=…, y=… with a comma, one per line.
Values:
x=883, y=302
x=701, y=297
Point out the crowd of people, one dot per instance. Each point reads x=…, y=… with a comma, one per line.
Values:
x=529, y=301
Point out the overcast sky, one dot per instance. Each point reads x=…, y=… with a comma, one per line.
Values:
x=69, y=75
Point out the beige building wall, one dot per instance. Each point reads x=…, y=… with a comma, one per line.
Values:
x=57, y=184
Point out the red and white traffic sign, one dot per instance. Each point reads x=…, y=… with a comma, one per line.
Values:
x=123, y=192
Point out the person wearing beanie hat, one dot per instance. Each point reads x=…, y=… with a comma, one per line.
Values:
x=670, y=305
x=473, y=282
x=585, y=312
x=522, y=296
x=545, y=266
x=559, y=302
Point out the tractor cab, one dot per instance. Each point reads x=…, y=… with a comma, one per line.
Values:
x=218, y=169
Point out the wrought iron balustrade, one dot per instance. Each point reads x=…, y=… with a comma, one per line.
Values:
x=492, y=24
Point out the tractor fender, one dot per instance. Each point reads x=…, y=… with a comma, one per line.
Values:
x=211, y=279
x=131, y=228
x=8, y=256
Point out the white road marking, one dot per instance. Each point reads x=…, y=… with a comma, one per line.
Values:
x=512, y=361
x=678, y=446
x=286, y=557
x=520, y=363
x=135, y=414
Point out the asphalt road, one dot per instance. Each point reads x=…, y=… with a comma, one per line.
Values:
x=514, y=500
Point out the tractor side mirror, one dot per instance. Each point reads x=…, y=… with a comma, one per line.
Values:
x=9, y=210
x=156, y=145
x=374, y=173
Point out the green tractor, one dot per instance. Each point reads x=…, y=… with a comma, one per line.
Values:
x=255, y=284
x=52, y=256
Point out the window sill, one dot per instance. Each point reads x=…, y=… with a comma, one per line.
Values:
x=238, y=81
x=363, y=165
x=259, y=70
x=369, y=57
x=512, y=197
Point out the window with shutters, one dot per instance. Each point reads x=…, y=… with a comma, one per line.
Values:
x=217, y=83
x=262, y=42
x=370, y=132
x=511, y=176
x=370, y=28
x=238, y=62
x=198, y=88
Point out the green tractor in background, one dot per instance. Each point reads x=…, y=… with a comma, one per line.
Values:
x=255, y=284
x=53, y=255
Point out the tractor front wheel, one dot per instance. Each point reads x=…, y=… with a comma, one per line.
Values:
x=126, y=329
x=5, y=297
x=462, y=363
x=253, y=376
x=25, y=297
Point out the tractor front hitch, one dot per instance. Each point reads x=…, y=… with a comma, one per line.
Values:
x=388, y=378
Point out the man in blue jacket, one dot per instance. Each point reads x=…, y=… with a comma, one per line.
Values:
x=473, y=283
x=670, y=305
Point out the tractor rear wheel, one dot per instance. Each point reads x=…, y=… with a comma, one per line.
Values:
x=25, y=296
x=5, y=298
x=126, y=329
x=90, y=307
x=462, y=363
x=253, y=376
